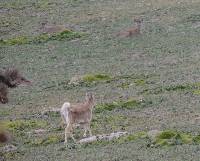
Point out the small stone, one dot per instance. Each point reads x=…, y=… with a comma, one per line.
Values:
x=9, y=148
x=153, y=133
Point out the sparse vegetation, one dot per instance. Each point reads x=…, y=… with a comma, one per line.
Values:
x=161, y=66
x=21, y=125
x=52, y=139
x=180, y=87
x=96, y=77
x=129, y=104
x=170, y=137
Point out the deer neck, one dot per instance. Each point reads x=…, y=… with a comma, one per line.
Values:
x=89, y=103
x=138, y=26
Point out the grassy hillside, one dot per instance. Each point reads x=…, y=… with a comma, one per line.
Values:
x=143, y=83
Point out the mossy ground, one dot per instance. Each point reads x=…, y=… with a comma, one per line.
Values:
x=161, y=66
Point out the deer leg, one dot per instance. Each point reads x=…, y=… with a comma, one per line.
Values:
x=90, y=132
x=73, y=137
x=71, y=134
x=85, y=133
x=68, y=130
x=88, y=127
x=85, y=130
x=63, y=122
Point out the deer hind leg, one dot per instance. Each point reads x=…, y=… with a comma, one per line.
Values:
x=68, y=132
x=63, y=121
x=85, y=131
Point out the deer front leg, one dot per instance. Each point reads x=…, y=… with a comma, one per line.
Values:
x=73, y=138
x=90, y=132
x=87, y=128
x=69, y=132
x=85, y=133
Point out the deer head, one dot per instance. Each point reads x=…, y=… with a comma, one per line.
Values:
x=89, y=98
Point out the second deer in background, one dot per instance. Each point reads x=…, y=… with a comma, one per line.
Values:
x=132, y=30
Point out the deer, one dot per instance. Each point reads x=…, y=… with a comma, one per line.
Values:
x=10, y=78
x=52, y=29
x=132, y=31
x=77, y=113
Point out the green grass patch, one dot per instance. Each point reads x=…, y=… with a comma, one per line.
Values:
x=120, y=140
x=132, y=137
x=164, y=139
x=196, y=139
x=90, y=80
x=140, y=82
x=51, y=139
x=21, y=125
x=193, y=18
x=196, y=92
x=95, y=77
x=43, y=38
x=170, y=137
x=15, y=41
x=129, y=104
x=179, y=87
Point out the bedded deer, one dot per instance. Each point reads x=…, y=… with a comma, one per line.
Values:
x=78, y=113
x=132, y=30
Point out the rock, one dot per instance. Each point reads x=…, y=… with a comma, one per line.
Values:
x=153, y=133
x=37, y=132
x=108, y=137
x=75, y=80
x=8, y=148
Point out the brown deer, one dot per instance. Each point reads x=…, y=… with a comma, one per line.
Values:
x=10, y=78
x=132, y=31
x=79, y=113
x=51, y=29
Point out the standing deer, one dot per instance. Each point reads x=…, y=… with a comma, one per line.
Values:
x=78, y=113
